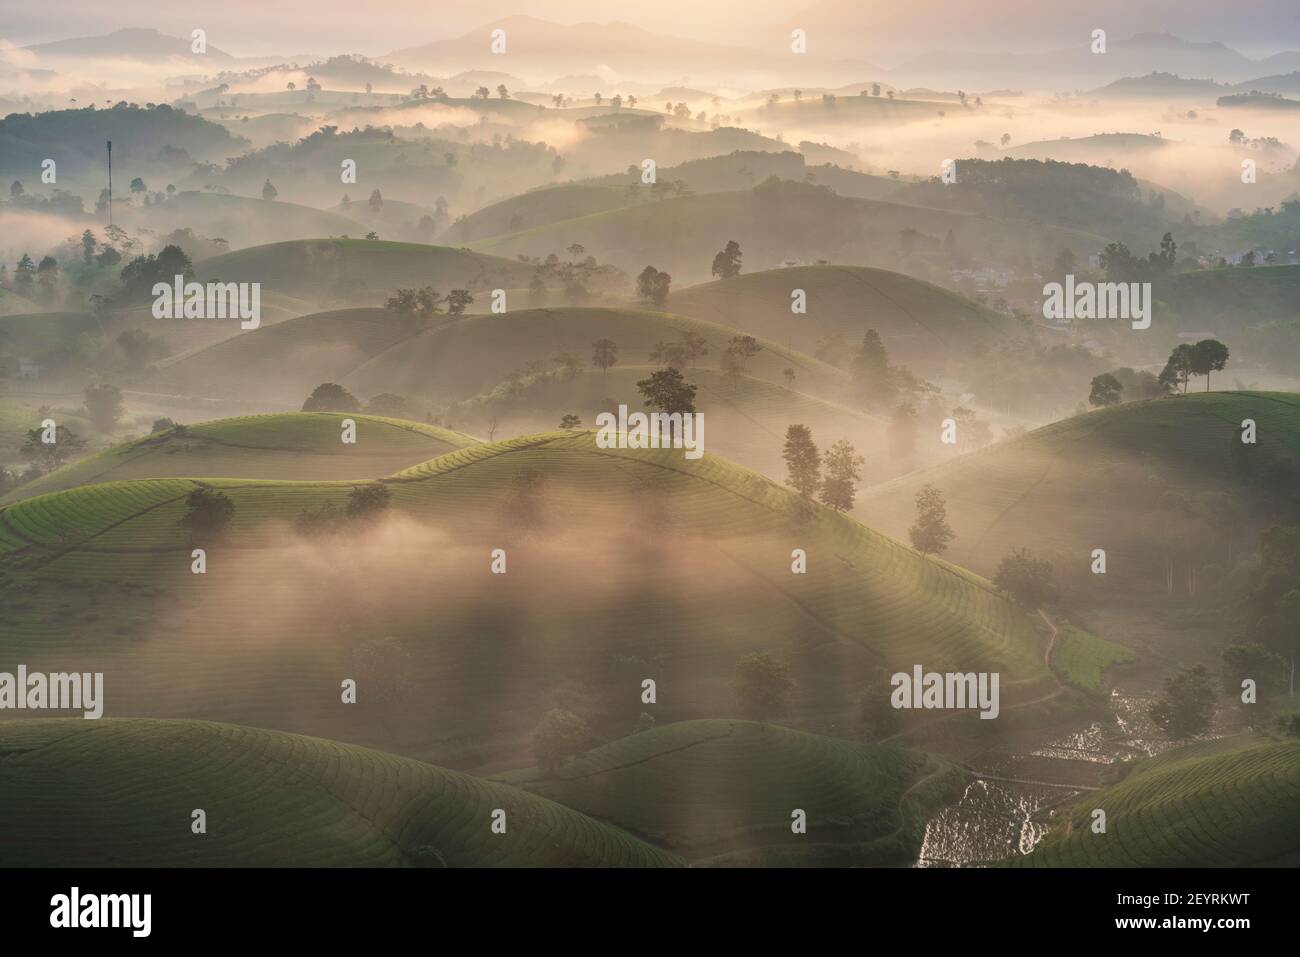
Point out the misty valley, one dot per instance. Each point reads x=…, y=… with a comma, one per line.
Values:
x=835, y=436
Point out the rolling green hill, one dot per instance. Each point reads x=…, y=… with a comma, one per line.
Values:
x=623, y=564
x=19, y=415
x=747, y=417
x=240, y=220
x=285, y=361
x=1225, y=300
x=372, y=351
x=121, y=793
x=1232, y=802
x=775, y=222
x=31, y=334
x=394, y=219
x=745, y=169
x=464, y=356
x=539, y=207
x=12, y=304
x=722, y=792
x=1151, y=482
x=738, y=170
x=360, y=271
x=292, y=445
x=926, y=327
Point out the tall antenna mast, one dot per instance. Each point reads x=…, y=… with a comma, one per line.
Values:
x=110, y=183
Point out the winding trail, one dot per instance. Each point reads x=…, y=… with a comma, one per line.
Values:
x=1047, y=655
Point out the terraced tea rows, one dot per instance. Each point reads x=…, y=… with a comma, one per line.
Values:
x=122, y=792
x=362, y=270
x=636, y=564
x=1128, y=479
x=293, y=445
x=284, y=362
x=746, y=417
x=921, y=324
x=463, y=357
x=1233, y=802
x=725, y=791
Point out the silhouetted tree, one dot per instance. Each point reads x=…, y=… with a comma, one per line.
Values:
x=763, y=687
x=667, y=391
x=652, y=286
x=843, y=473
x=802, y=461
x=1208, y=355
x=1187, y=705
x=604, y=354
x=104, y=406
x=457, y=300
x=931, y=533
x=1106, y=390
x=726, y=264
x=208, y=513
x=331, y=397
x=1027, y=579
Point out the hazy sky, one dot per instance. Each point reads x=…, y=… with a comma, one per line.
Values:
x=862, y=27
x=363, y=26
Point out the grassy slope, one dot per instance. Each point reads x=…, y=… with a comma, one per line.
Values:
x=1081, y=659
x=362, y=270
x=29, y=333
x=120, y=793
x=371, y=351
x=241, y=220
x=1231, y=802
x=723, y=792
x=1095, y=480
x=104, y=569
x=284, y=362
x=291, y=445
x=12, y=304
x=741, y=169
x=920, y=323
x=682, y=235
x=537, y=208
x=465, y=356
x=1220, y=299
x=746, y=416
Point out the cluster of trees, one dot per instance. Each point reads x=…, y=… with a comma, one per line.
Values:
x=1121, y=265
x=1271, y=605
x=103, y=405
x=1187, y=360
x=425, y=301
x=1027, y=579
x=37, y=282
x=680, y=353
x=876, y=383
x=365, y=505
x=653, y=286
x=1125, y=385
x=735, y=358
x=834, y=477
x=60, y=202
x=140, y=274
x=578, y=277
